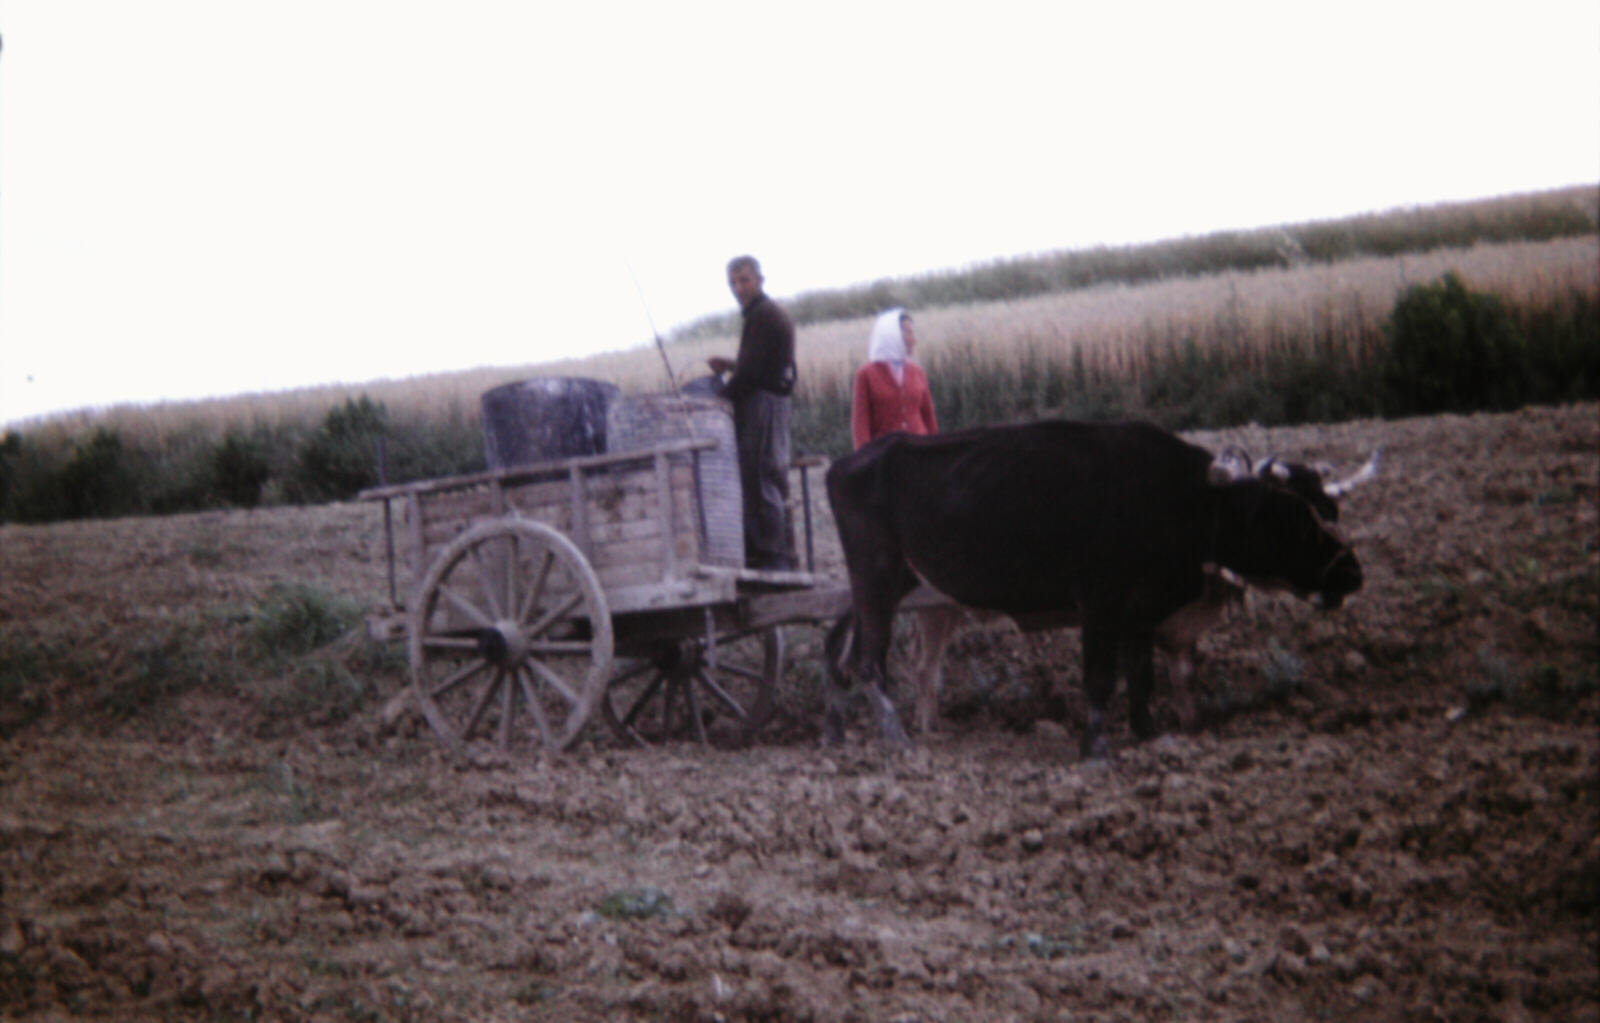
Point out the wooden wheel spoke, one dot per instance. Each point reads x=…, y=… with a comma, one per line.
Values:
x=643, y=700
x=737, y=700
x=466, y=607
x=560, y=648
x=740, y=670
x=554, y=681
x=535, y=707
x=667, y=700
x=468, y=644
x=555, y=614
x=530, y=600
x=632, y=671
x=456, y=678
x=486, y=577
x=478, y=709
x=692, y=703
x=510, y=612
x=507, y=703
x=723, y=695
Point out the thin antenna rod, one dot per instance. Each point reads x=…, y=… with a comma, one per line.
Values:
x=661, y=346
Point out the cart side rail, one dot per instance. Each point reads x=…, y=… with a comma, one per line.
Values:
x=636, y=516
x=562, y=469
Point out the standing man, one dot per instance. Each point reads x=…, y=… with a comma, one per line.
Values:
x=759, y=383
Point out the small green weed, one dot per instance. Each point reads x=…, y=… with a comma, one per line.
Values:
x=644, y=903
x=163, y=666
x=1283, y=671
x=26, y=668
x=296, y=619
x=1496, y=681
x=317, y=691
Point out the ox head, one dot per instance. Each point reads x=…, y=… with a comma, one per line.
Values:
x=1314, y=483
x=1277, y=539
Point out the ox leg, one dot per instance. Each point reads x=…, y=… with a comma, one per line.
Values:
x=1181, y=672
x=858, y=644
x=874, y=633
x=1139, y=667
x=1099, y=682
x=889, y=726
x=839, y=654
x=936, y=627
x=874, y=630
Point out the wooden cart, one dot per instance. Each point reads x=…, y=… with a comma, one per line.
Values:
x=530, y=597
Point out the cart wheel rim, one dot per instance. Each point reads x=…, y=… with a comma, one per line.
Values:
x=511, y=638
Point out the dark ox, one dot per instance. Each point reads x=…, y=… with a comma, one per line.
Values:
x=1114, y=527
x=1177, y=636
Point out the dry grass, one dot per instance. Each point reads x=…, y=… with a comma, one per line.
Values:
x=1112, y=323
x=1113, y=326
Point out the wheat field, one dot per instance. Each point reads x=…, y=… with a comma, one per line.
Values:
x=1113, y=327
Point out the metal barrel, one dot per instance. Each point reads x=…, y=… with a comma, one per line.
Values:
x=545, y=419
x=642, y=421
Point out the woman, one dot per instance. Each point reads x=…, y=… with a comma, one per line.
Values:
x=891, y=391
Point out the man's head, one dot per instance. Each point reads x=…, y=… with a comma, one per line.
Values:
x=744, y=279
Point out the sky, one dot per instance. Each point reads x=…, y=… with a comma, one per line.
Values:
x=203, y=198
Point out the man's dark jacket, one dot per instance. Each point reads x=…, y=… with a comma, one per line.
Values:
x=766, y=351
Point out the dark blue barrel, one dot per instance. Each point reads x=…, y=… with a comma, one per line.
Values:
x=545, y=420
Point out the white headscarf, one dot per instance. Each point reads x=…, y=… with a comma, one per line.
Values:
x=887, y=343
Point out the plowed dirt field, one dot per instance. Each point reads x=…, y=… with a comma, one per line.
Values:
x=1390, y=812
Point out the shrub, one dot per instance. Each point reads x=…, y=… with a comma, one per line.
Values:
x=161, y=667
x=239, y=470
x=340, y=456
x=318, y=691
x=1452, y=350
x=27, y=481
x=97, y=481
x=297, y=619
x=1563, y=348
x=27, y=667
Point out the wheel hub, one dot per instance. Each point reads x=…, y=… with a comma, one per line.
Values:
x=503, y=644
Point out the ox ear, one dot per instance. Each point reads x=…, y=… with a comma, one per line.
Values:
x=1230, y=465
x=1342, y=487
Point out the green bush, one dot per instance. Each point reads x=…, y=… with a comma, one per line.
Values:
x=296, y=619
x=28, y=667
x=161, y=667
x=26, y=481
x=1563, y=349
x=239, y=470
x=317, y=691
x=340, y=456
x=98, y=480
x=1452, y=350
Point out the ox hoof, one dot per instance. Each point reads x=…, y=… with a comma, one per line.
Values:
x=899, y=744
x=1094, y=750
x=1143, y=726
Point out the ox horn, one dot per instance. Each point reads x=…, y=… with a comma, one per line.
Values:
x=1229, y=465
x=1344, y=486
x=1277, y=467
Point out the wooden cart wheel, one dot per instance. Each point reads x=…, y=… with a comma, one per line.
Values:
x=510, y=638
x=684, y=693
